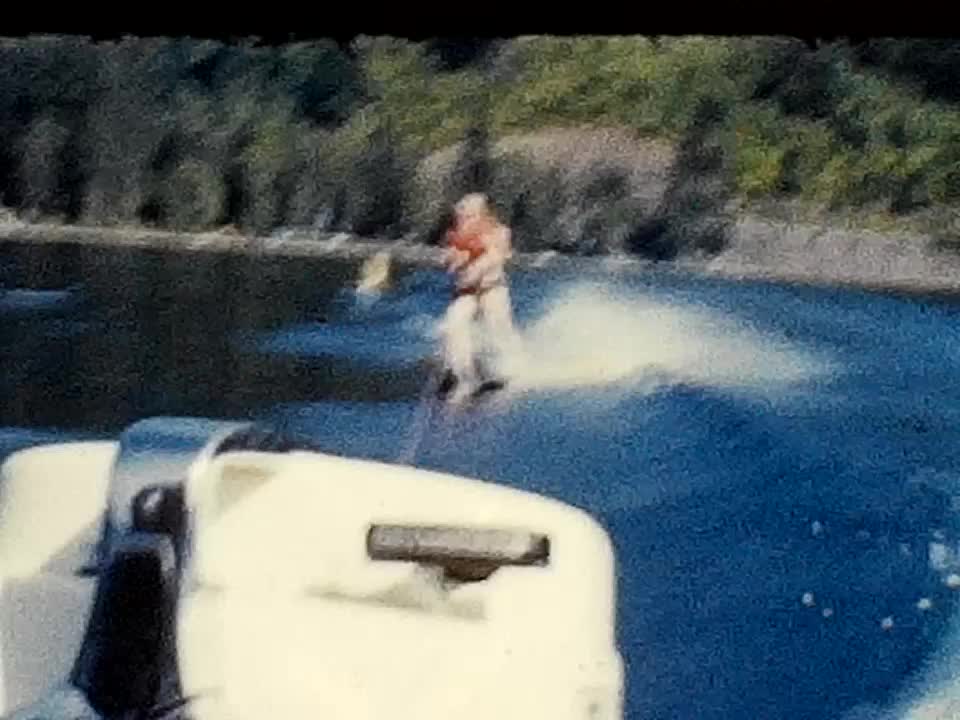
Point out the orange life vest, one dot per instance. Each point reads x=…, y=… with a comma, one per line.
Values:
x=471, y=243
x=471, y=240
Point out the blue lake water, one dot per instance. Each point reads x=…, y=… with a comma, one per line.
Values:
x=779, y=467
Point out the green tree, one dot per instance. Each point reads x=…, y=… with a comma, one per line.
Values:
x=194, y=197
x=693, y=215
x=41, y=150
x=473, y=172
x=323, y=82
x=377, y=203
x=310, y=187
x=124, y=128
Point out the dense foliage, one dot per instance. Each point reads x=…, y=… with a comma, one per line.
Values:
x=195, y=134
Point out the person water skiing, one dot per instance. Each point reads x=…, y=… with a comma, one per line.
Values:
x=478, y=248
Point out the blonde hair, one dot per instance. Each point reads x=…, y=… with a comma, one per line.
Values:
x=474, y=203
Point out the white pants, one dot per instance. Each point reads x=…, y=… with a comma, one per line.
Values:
x=460, y=345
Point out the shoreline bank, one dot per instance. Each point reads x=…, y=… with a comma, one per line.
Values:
x=760, y=251
x=835, y=257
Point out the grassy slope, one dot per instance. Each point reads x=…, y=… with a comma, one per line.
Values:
x=877, y=154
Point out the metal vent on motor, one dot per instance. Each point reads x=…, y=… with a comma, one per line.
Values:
x=465, y=554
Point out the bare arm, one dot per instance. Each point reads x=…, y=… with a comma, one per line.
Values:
x=451, y=257
x=454, y=259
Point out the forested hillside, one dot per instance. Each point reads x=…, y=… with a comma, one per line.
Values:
x=195, y=134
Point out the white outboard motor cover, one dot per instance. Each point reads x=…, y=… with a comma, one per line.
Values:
x=321, y=586
x=53, y=503
x=157, y=452
x=51, y=506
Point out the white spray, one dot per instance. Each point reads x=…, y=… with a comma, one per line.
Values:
x=589, y=338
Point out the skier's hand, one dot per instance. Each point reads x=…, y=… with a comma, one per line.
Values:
x=455, y=259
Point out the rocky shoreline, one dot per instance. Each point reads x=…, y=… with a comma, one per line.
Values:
x=829, y=256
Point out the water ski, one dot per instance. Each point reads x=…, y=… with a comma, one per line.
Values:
x=488, y=386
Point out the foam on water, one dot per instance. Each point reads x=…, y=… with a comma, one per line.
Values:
x=23, y=299
x=934, y=694
x=588, y=336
